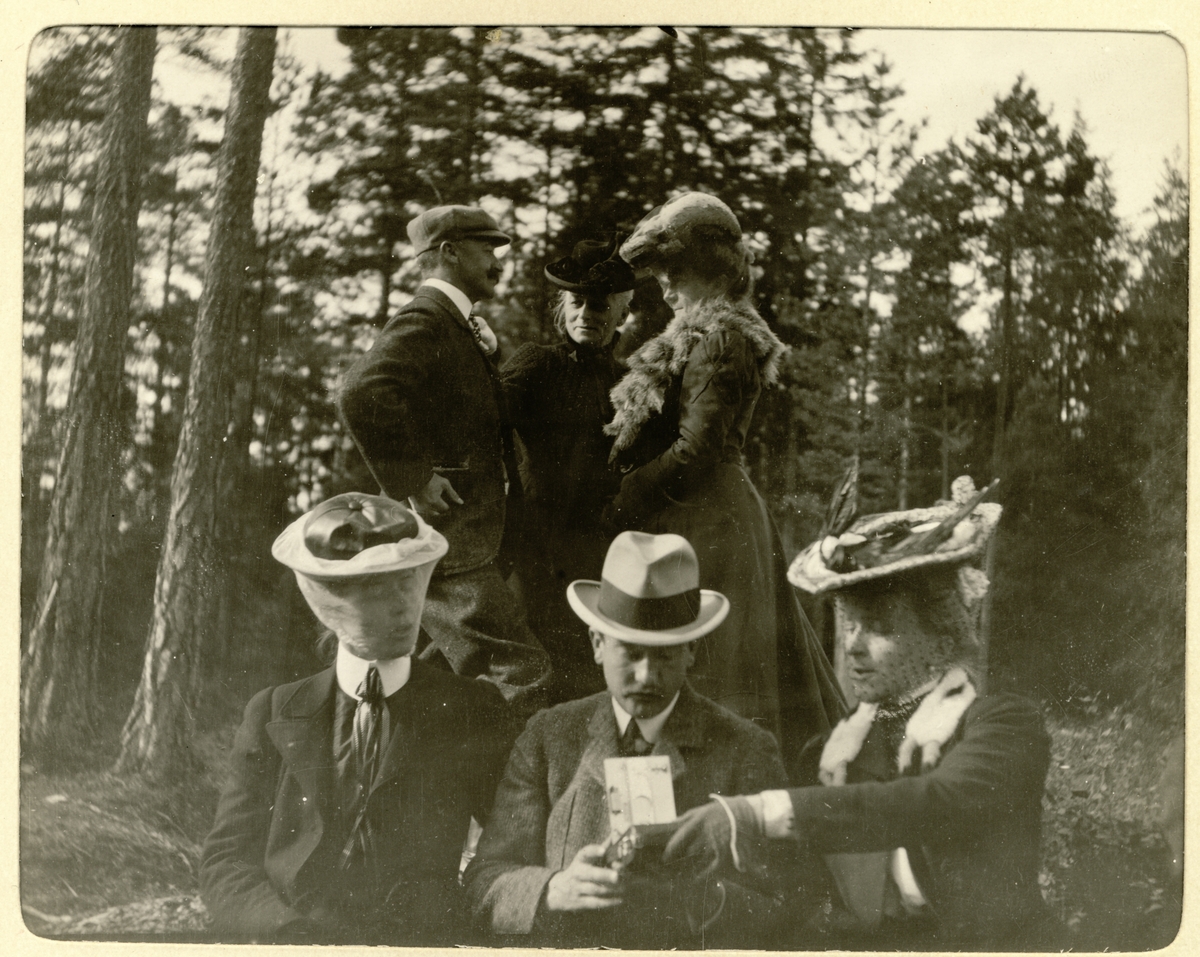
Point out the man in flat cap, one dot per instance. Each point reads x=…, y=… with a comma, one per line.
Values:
x=541, y=877
x=351, y=792
x=424, y=407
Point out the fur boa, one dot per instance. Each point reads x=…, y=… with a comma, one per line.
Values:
x=641, y=390
x=933, y=724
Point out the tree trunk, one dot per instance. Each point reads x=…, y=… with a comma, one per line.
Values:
x=58, y=688
x=38, y=437
x=1003, y=336
x=945, y=438
x=905, y=445
x=157, y=732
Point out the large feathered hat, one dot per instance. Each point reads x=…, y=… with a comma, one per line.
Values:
x=877, y=546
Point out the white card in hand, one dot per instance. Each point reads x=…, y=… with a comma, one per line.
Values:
x=639, y=791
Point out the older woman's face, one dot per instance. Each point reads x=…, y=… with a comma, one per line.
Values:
x=888, y=651
x=683, y=290
x=591, y=320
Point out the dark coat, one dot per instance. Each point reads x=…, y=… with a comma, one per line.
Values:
x=551, y=802
x=557, y=397
x=272, y=855
x=557, y=400
x=971, y=825
x=425, y=399
x=685, y=475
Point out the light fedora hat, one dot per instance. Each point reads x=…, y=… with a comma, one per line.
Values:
x=649, y=592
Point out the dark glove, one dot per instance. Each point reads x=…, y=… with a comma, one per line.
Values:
x=726, y=835
x=639, y=499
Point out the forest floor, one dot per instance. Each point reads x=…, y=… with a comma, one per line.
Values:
x=91, y=841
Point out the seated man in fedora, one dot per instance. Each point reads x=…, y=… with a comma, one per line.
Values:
x=540, y=869
x=351, y=792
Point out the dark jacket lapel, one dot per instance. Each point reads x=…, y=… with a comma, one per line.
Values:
x=601, y=743
x=683, y=732
x=412, y=704
x=303, y=734
x=443, y=302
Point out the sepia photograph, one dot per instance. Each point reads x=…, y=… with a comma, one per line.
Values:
x=593, y=487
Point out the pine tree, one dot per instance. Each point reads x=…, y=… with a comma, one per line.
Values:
x=933, y=369
x=190, y=574
x=63, y=111
x=58, y=690
x=1015, y=167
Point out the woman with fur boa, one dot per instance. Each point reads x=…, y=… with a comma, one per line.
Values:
x=917, y=821
x=682, y=414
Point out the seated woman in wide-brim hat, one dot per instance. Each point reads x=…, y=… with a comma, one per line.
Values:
x=925, y=803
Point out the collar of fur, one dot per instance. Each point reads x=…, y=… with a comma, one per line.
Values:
x=640, y=392
x=933, y=724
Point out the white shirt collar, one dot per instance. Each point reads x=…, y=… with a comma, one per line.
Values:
x=651, y=727
x=456, y=295
x=351, y=671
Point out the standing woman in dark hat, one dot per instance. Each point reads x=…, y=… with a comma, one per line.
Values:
x=558, y=402
x=682, y=414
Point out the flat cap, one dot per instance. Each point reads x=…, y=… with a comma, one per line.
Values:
x=450, y=223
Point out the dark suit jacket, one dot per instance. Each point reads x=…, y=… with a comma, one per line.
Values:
x=425, y=399
x=271, y=857
x=551, y=802
x=971, y=825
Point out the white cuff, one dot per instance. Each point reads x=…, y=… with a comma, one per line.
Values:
x=775, y=812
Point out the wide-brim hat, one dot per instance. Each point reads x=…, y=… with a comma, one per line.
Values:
x=668, y=230
x=649, y=593
x=451, y=223
x=355, y=535
x=967, y=543
x=593, y=268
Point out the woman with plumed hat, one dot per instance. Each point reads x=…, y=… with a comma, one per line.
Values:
x=557, y=396
x=681, y=417
x=922, y=809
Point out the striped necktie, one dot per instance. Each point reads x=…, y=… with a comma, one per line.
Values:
x=366, y=737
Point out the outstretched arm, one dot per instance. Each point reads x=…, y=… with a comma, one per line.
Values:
x=1000, y=762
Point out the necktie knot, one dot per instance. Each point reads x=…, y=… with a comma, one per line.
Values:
x=633, y=742
x=370, y=689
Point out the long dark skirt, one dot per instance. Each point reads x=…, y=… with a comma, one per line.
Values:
x=764, y=662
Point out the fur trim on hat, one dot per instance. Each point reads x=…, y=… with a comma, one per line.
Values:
x=932, y=725
x=640, y=392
